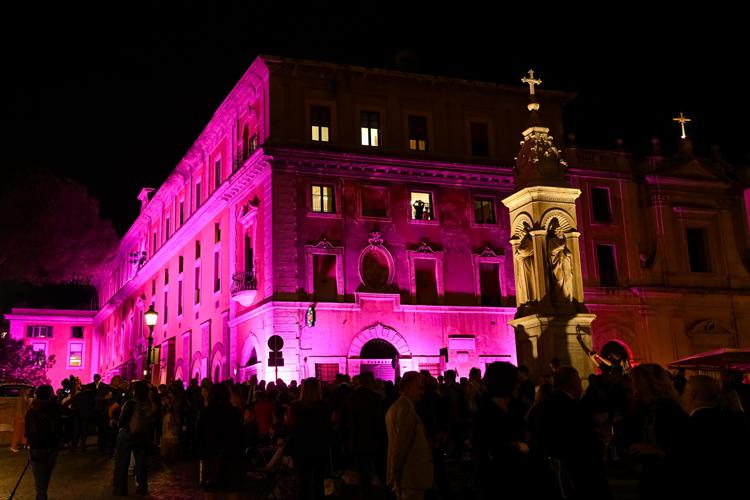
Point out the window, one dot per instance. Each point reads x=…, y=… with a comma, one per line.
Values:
x=197, y=250
x=600, y=206
x=418, y=133
x=323, y=199
x=489, y=284
x=217, y=173
x=249, y=262
x=421, y=206
x=326, y=372
x=370, y=128
x=325, y=287
x=39, y=332
x=182, y=213
x=217, y=232
x=166, y=228
x=75, y=355
x=179, y=298
x=153, y=287
x=484, y=210
x=425, y=281
x=697, y=250
x=77, y=332
x=197, y=195
x=217, y=269
x=180, y=264
x=40, y=352
x=480, y=141
x=166, y=309
x=153, y=251
x=374, y=202
x=605, y=257
x=197, y=284
x=320, y=122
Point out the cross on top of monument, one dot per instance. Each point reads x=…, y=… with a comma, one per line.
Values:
x=531, y=81
x=682, y=121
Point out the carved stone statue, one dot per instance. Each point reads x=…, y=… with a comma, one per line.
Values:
x=524, y=256
x=560, y=262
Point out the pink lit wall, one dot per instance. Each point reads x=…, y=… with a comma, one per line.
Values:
x=61, y=344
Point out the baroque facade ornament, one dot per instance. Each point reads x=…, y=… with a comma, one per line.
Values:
x=425, y=247
x=376, y=238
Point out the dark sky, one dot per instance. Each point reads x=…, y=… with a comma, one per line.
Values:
x=114, y=98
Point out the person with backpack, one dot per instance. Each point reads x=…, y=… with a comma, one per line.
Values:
x=43, y=433
x=136, y=431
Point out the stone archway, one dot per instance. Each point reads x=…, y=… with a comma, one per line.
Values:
x=379, y=331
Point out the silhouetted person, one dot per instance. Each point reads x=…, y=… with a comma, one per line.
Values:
x=219, y=439
x=409, y=467
x=135, y=435
x=566, y=438
x=308, y=444
x=43, y=424
x=368, y=434
x=659, y=425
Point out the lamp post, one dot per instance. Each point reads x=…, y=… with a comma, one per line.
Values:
x=151, y=318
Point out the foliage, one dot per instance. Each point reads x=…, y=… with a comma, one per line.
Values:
x=51, y=230
x=19, y=363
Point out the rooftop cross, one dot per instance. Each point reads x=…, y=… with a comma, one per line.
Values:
x=531, y=81
x=682, y=121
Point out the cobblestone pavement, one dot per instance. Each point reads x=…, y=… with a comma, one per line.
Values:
x=88, y=476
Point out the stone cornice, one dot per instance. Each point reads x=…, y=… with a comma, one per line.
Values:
x=681, y=183
x=52, y=315
x=542, y=193
x=252, y=172
x=395, y=169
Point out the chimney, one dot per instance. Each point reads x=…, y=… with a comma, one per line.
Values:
x=145, y=197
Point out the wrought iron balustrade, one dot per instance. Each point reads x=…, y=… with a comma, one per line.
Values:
x=244, y=281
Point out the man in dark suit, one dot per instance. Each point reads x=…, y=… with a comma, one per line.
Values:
x=100, y=390
x=368, y=434
x=715, y=444
x=565, y=436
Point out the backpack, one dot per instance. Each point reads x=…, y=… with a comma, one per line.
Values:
x=43, y=429
x=142, y=421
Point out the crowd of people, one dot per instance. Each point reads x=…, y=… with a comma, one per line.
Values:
x=500, y=435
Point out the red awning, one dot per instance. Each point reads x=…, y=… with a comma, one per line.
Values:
x=716, y=360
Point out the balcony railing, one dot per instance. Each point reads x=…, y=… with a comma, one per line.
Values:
x=244, y=287
x=244, y=281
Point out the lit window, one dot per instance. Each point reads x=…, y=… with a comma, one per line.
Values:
x=484, y=211
x=320, y=122
x=40, y=352
x=418, y=133
x=370, y=127
x=322, y=199
x=75, y=355
x=421, y=206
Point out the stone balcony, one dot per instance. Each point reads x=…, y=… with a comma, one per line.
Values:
x=244, y=288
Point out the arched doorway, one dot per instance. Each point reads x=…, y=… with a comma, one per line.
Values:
x=379, y=357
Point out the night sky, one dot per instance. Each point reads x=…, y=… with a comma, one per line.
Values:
x=115, y=98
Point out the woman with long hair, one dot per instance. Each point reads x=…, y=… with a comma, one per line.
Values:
x=658, y=426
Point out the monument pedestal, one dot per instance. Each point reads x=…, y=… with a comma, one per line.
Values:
x=541, y=337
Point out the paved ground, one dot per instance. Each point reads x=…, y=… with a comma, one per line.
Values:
x=89, y=476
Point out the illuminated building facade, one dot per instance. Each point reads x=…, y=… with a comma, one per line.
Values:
x=357, y=214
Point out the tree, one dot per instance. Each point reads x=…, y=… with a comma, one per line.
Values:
x=19, y=362
x=51, y=231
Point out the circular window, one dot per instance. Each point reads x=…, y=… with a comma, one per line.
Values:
x=375, y=271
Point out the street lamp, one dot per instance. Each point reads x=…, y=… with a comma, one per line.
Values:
x=151, y=318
